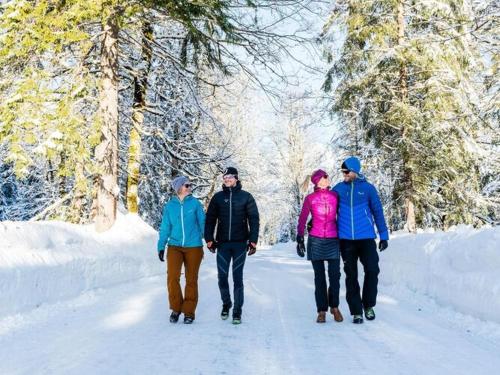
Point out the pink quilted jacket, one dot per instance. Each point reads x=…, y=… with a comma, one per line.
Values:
x=322, y=205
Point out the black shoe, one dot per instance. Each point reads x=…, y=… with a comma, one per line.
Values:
x=369, y=313
x=357, y=319
x=236, y=318
x=225, y=312
x=174, y=317
x=188, y=319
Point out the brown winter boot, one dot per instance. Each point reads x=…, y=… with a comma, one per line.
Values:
x=337, y=315
x=321, y=317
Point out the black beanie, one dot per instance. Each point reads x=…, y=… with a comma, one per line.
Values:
x=231, y=170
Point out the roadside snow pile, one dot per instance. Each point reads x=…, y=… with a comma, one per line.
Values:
x=459, y=268
x=45, y=262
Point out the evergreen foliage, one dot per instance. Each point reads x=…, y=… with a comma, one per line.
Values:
x=405, y=85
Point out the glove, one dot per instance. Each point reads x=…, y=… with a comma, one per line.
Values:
x=161, y=255
x=251, y=248
x=301, y=249
x=382, y=245
x=212, y=246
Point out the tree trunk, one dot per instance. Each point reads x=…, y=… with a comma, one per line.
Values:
x=407, y=184
x=411, y=224
x=107, y=151
x=134, y=151
x=176, y=163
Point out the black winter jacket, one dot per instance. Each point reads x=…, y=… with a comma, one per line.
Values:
x=235, y=213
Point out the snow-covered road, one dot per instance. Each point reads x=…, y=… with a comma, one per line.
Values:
x=125, y=330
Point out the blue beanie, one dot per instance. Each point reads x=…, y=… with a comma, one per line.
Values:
x=353, y=164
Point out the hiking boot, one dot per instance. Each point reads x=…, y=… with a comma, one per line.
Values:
x=188, y=319
x=225, y=312
x=174, y=317
x=357, y=319
x=236, y=318
x=369, y=313
x=337, y=315
x=321, y=317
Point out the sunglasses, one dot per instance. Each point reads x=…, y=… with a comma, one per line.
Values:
x=325, y=176
x=187, y=186
x=345, y=171
x=228, y=177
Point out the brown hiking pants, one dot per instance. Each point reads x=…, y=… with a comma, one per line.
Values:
x=191, y=258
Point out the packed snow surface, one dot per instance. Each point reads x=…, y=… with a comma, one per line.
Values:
x=76, y=302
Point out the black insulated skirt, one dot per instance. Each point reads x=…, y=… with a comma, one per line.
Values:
x=322, y=248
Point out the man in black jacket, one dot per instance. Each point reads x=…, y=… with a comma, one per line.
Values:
x=235, y=213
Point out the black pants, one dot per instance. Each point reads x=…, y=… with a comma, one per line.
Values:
x=326, y=297
x=237, y=252
x=366, y=252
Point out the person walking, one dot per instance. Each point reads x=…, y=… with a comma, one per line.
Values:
x=236, y=216
x=359, y=210
x=322, y=244
x=181, y=229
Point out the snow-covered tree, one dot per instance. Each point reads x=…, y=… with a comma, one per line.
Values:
x=404, y=84
x=63, y=96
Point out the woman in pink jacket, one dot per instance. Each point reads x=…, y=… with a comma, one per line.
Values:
x=322, y=244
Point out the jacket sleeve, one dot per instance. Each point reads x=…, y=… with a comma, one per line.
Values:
x=378, y=214
x=253, y=218
x=335, y=189
x=337, y=201
x=211, y=220
x=200, y=217
x=165, y=229
x=304, y=214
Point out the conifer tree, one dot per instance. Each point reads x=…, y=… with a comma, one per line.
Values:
x=405, y=79
x=60, y=60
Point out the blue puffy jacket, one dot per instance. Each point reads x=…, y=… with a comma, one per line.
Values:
x=359, y=207
x=182, y=223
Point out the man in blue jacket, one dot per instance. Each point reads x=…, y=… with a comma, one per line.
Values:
x=359, y=210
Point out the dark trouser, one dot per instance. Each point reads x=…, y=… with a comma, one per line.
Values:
x=366, y=252
x=237, y=252
x=324, y=297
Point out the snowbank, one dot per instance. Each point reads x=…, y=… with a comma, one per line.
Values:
x=45, y=262
x=459, y=269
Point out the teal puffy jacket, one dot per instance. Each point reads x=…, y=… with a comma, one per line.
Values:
x=182, y=223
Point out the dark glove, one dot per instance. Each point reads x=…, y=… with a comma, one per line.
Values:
x=161, y=255
x=251, y=248
x=301, y=249
x=212, y=247
x=382, y=245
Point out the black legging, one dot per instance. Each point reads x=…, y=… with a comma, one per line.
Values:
x=326, y=296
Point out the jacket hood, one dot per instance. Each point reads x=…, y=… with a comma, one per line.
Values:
x=175, y=198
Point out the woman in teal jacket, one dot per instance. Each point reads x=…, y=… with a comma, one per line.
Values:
x=181, y=229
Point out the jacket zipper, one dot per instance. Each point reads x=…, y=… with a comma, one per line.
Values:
x=352, y=214
x=182, y=223
x=230, y=211
x=326, y=218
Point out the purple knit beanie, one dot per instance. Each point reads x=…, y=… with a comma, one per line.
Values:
x=317, y=175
